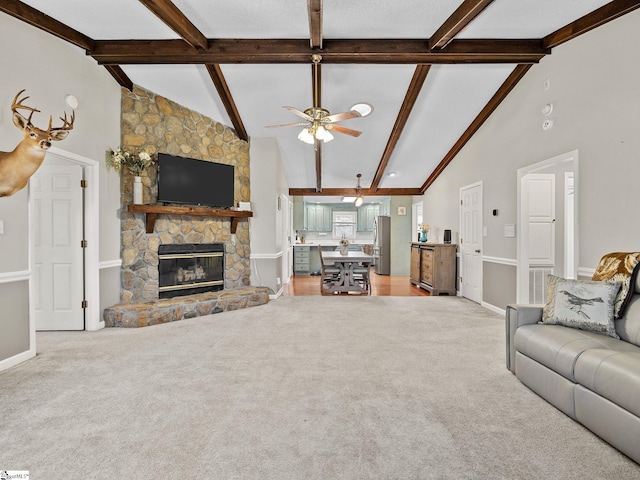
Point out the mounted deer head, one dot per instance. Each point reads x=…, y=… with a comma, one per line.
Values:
x=17, y=166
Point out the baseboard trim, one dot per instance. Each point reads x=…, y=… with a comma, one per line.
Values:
x=276, y=295
x=16, y=359
x=493, y=308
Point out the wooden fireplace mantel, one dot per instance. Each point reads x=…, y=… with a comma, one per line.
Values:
x=152, y=212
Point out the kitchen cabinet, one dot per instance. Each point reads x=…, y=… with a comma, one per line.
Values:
x=385, y=207
x=434, y=264
x=366, y=217
x=301, y=264
x=317, y=218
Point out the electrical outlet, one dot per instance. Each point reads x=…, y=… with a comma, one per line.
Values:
x=278, y=281
x=1, y=227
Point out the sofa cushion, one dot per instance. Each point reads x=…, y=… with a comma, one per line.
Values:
x=613, y=375
x=558, y=347
x=586, y=305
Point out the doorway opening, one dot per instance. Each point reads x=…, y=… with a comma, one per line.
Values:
x=547, y=224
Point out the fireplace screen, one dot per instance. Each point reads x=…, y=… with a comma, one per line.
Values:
x=190, y=268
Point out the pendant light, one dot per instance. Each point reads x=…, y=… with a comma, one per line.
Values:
x=359, y=199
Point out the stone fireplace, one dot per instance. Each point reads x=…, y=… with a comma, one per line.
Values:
x=155, y=124
x=190, y=268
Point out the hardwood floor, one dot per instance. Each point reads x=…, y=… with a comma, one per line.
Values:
x=382, y=285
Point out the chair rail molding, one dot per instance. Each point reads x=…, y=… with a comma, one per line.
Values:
x=502, y=261
x=10, y=277
x=110, y=263
x=267, y=256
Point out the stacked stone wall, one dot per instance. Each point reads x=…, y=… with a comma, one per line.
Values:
x=154, y=124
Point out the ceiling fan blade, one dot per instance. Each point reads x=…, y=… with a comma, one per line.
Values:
x=299, y=113
x=342, y=116
x=287, y=125
x=341, y=129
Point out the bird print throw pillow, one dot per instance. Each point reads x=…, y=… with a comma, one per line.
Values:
x=582, y=304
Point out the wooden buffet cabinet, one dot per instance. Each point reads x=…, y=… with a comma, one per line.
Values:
x=433, y=267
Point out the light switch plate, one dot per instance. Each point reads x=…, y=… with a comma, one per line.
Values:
x=1, y=227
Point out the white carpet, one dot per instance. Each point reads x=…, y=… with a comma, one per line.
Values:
x=301, y=388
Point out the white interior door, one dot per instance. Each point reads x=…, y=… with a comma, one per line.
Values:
x=542, y=218
x=57, y=262
x=471, y=242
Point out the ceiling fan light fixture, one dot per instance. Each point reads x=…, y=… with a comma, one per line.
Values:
x=306, y=136
x=323, y=134
x=359, y=201
x=363, y=109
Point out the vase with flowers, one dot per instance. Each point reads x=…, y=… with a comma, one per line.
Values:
x=424, y=229
x=344, y=246
x=134, y=162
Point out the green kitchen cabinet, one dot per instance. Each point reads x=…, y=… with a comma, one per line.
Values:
x=366, y=217
x=317, y=217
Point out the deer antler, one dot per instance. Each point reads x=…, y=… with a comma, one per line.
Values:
x=66, y=124
x=16, y=104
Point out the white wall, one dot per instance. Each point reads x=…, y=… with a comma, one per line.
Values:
x=596, y=96
x=49, y=69
x=268, y=243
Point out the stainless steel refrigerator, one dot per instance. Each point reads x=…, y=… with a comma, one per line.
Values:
x=382, y=245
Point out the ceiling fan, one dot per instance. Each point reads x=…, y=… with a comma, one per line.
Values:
x=319, y=122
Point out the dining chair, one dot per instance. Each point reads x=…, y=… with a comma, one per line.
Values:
x=362, y=276
x=328, y=273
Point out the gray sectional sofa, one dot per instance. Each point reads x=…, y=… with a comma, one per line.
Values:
x=591, y=377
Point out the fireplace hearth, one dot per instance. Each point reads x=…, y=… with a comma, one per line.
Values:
x=185, y=269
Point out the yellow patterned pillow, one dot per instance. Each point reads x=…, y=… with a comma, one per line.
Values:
x=619, y=267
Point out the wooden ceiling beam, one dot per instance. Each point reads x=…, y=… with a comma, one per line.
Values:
x=315, y=23
x=419, y=76
x=171, y=15
x=292, y=51
x=215, y=72
x=508, y=85
x=37, y=19
x=598, y=17
x=464, y=14
x=118, y=74
x=366, y=192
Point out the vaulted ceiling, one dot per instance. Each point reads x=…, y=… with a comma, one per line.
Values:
x=434, y=70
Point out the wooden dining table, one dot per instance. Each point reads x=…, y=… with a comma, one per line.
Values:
x=349, y=280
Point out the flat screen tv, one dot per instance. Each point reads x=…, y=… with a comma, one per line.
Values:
x=194, y=182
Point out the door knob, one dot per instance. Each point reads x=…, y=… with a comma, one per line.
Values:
x=477, y=251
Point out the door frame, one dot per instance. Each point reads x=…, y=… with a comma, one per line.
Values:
x=91, y=233
x=461, y=220
x=522, y=228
